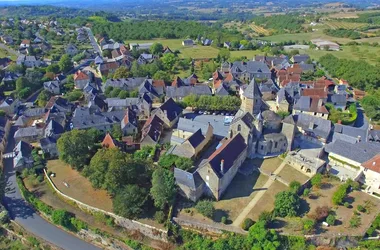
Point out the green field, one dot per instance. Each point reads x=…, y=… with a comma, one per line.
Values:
x=250, y=54
x=5, y=53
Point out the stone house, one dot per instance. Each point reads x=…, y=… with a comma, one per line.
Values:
x=272, y=144
x=29, y=134
x=9, y=105
x=246, y=71
x=312, y=106
x=129, y=124
x=22, y=155
x=151, y=131
x=5, y=125
x=190, y=185
x=370, y=175
x=81, y=79
x=52, y=87
x=169, y=112
x=49, y=147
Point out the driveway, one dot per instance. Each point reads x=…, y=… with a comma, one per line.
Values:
x=25, y=215
x=93, y=41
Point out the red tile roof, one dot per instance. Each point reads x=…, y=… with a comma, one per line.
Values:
x=25, y=41
x=320, y=93
x=79, y=75
x=373, y=163
x=108, y=142
x=158, y=83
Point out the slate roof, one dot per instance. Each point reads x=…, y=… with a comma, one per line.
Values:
x=318, y=126
x=53, y=128
x=359, y=152
x=196, y=138
x=172, y=109
x=117, y=102
x=147, y=87
x=191, y=180
x=47, y=141
x=374, y=135
x=349, y=134
x=247, y=118
x=152, y=128
x=193, y=125
x=130, y=117
x=229, y=152
x=180, y=92
x=310, y=104
x=300, y=58
x=221, y=90
x=83, y=119
x=337, y=99
x=252, y=90
x=34, y=112
x=306, y=67
x=22, y=149
x=27, y=132
x=125, y=83
x=250, y=67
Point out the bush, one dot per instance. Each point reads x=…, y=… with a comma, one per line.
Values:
x=159, y=216
x=353, y=184
x=286, y=204
x=4, y=217
x=346, y=204
x=340, y=194
x=61, y=217
x=40, y=178
x=295, y=186
x=360, y=208
x=206, y=208
x=320, y=213
x=370, y=231
x=247, y=223
x=78, y=224
x=316, y=181
x=330, y=220
x=306, y=192
x=224, y=220
x=355, y=221
x=308, y=225
x=266, y=216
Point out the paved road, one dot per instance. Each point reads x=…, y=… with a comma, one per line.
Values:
x=93, y=42
x=23, y=214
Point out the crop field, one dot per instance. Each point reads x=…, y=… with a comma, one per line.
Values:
x=344, y=25
x=260, y=30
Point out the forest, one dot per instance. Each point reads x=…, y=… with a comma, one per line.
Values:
x=345, y=33
x=143, y=30
x=281, y=23
x=371, y=18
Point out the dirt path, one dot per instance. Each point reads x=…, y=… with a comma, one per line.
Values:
x=257, y=197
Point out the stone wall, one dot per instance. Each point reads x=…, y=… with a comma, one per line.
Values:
x=212, y=227
x=147, y=230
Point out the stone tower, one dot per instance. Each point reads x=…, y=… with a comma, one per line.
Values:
x=251, y=99
x=289, y=130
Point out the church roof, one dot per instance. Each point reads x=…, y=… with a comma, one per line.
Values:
x=252, y=90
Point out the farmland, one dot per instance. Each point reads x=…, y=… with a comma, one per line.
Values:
x=344, y=25
x=260, y=30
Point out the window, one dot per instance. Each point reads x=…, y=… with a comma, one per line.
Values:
x=262, y=147
x=275, y=145
x=207, y=178
x=239, y=128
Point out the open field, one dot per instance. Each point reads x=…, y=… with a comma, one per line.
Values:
x=250, y=54
x=342, y=15
x=268, y=165
x=5, y=53
x=78, y=186
x=260, y=30
x=344, y=25
x=289, y=174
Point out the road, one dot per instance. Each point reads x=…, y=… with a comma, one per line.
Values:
x=93, y=42
x=25, y=215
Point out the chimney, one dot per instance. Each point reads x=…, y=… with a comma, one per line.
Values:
x=359, y=138
x=222, y=166
x=320, y=102
x=311, y=125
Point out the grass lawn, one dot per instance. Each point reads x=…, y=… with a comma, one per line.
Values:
x=79, y=187
x=198, y=51
x=250, y=54
x=5, y=53
x=239, y=193
x=266, y=203
x=289, y=174
x=268, y=165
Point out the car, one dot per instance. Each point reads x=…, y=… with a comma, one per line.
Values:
x=214, y=113
x=222, y=113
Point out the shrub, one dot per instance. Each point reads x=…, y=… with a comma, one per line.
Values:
x=40, y=178
x=370, y=231
x=306, y=192
x=206, y=208
x=340, y=194
x=159, y=216
x=295, y=186
x=78, y=224
x=355, y=221
x=247, y=223
x=353, y=184
x=321, y=213
x=4, y=217
x=224, y=220
x=286, y=204
x=61, y=217
x=330, y=220
x=346, y=204
x=316, y=181
x=360, y=208
x=266, y=216
x=308, y=225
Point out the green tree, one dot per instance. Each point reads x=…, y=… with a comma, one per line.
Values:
x=122, y=72
x=294, y=186
x=168, y=61
x=74, y=148
x=129, y=201
x=123, y=94
x=21, y=83
x=162, y=75
x=65, y=63
x=116, y=132
x=261, y=238
x=43, y=98
x=61, y=217
x=247, y=223
x=224, y=54
x=163, y=189
x=54, y=68
x=316, y=180
x=156, y=48
x=206, y=208
x=308, y=225
x=330, y=220
x=286, y=204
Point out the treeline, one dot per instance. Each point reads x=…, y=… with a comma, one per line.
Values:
x=345, y=33
x=371, y=18
x=280, y=23
x=359, y=74
x=371, y=105
x=139, y=30
x=43, y=11
x=228, y=103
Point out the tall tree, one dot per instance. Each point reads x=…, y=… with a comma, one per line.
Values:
x=21, y=83
x=122, y=72
x=129, y=201
x=168, y=60
x=163, y=188
x=286, y=204
x=156, y=48
x=261, y=238
x=65, y=63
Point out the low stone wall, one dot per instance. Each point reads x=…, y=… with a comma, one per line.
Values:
x=210, y=227
x=147, y=230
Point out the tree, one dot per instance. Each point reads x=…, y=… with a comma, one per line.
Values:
x=107, y=53
x=247, y=223
x=320, y=213
x=308, y=225
x=21, y=83
x=266, y=216
x=116, y=132
x=74, y=148
x=61, y=217
x=156, y=48
x=162, y=75
x=54, y=68
x=65, y=63
x=286, y=204
x=163, y=189
x=206, y=208
x=43, y=98
x=261, y=238
x=168, y=61
x=224, y=54
x=123, y=94
x=330, y=220
x=306, y=192
x=340, y=194
x=295, y=186
x=122, y=72
x=129, y=201
x=316, y=180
